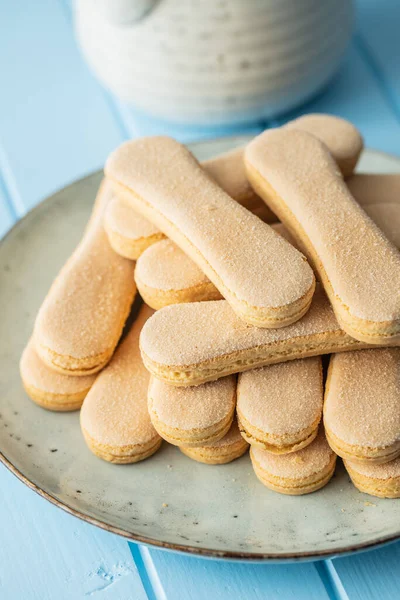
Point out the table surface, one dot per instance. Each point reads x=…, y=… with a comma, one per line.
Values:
x=58, y=124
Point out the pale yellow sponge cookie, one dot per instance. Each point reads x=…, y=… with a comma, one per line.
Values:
x=165, y=275
x=297, y=473
x=279, y=407
x=48, y=388
x=225, y=450
x=130, y=233
x=341, y=137
x=192, y=416
x=115, y=421
x=189, y=344
x=81, y=319
x=358, y=266
x=381, y=480
x=362, y=405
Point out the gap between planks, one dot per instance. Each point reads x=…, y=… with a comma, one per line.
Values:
x=331, y=580
x=147, y=572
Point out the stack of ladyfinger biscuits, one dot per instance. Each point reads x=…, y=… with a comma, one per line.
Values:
x=251, y=267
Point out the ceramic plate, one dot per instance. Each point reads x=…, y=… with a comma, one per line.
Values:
x=168, y=500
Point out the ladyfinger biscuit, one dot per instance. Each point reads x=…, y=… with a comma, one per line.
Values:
x=359, y=267
x=381, y=480
x=48, y=388
x=82, y=316
x=373, y=188
x=342, y=138
x=192, y=416
x=165, y=275
x=128, y=232
x=362, y=405
x=189, y=344
x=114, y=418
x=297, y=473
x=228, y=448
x=267, y=282
x=279, y=407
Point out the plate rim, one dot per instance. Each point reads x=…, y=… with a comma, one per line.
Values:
x=177, y=547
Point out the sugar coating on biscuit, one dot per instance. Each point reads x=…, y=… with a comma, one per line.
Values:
x=193, y=407
x=115, y=410
x=387, y=217
x=362, y=401
x=375, y=188
x=281, y=229
x=363, y=267
x=120, y=217
x=165, y=266
x=187, y=334
x=83, y=314
x=282, y=398
x=37, y=374
x=296, y=465
x=342, y=138
x=376, y=471
x=255, y=264
x=227, y=170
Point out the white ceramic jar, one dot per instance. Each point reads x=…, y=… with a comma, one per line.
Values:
x=214, y=61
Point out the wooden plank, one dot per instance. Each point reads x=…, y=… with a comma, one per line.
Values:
x=379, y=41
x=55, y=121
x=371, y=575
x=46, y=553
x=356, y=95
x=177, y=576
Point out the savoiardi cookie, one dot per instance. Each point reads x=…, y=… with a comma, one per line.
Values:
x=359, y=268
x=81, y=319
x=362, y=405
x=296, y=473
x=164, y=182
x=48, y=388
x=115, y=421
x=192, y=416
x=225, y=450
x=381, y=480
x=189, y=344
x=279, y=407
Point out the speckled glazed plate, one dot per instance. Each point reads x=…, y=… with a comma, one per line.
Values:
x=168, y=500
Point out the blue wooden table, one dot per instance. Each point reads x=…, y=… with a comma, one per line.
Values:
x=57, y=124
